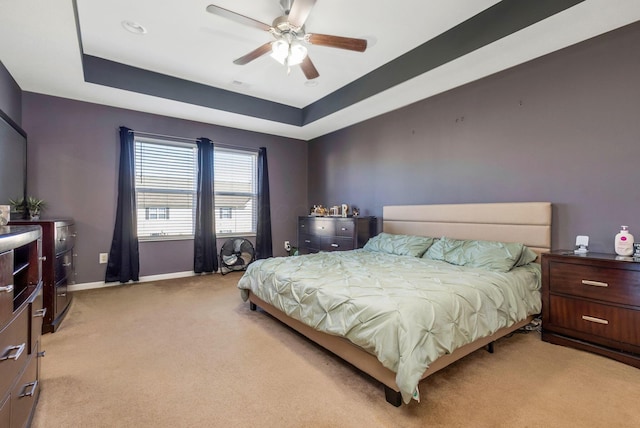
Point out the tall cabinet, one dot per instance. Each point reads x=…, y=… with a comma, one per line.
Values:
x=58, y=267
x=21, y=313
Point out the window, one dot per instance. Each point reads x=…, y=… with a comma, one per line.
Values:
x=157, y=213
x=236, y=191
x=166, y=190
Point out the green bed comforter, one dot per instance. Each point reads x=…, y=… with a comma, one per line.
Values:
x=405, y=310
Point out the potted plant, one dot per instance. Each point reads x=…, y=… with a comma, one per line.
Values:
x=18, y=206
x=34, y=207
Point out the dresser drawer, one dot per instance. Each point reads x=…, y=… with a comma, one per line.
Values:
x=336, y=243
x=345, y=228
x=14, y=343
x=599, y=320
x=322, y=227
x=37, y=314
x=65, y=238
x=605, y=284
x=5, y=411
x=25, y=393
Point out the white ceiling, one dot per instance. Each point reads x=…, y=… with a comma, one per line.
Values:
x=40, y=47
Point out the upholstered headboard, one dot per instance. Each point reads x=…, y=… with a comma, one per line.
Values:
x=525, y=222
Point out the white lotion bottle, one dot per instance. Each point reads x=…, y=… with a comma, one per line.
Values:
x=624, y=242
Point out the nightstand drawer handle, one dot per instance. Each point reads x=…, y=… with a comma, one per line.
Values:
x=7, y=288
x=594, y=319
x=595, y=283
x=13, y=352
x=335, y=245
x=40, y=313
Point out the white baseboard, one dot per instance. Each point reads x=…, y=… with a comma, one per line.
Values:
x=102, y=284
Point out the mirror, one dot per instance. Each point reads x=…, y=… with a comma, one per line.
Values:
x=13, y=160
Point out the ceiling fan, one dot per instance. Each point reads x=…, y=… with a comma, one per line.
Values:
x=290, y=36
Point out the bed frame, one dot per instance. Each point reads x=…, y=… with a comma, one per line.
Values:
x=525, y=222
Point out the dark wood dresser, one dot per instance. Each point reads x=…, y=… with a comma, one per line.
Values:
x=21, y=312
x=592, y=302
x=58, y=267
x=334, y=233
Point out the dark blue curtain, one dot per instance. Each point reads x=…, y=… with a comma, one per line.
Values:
x=205, y=252
x=124, y=258
x=264, y=244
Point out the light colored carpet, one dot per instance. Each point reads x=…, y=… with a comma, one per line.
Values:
x=190, y=353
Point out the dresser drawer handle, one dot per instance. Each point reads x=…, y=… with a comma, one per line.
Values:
x=40, y=313
x=43, y=258
x=62, y=295
x=343, y=229
x=7, y=288
x=594, y=319
x=32, y=386
x=335, y=245
x=66, y=264
x=306, y=241
x=321, y=227
x=13, y=352
x=595, y=283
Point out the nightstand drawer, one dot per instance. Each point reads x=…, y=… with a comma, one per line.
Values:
x=606, y=284
x=609, y=322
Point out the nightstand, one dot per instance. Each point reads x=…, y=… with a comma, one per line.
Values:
x=592, y=302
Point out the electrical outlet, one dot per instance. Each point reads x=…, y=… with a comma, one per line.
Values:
x=104, y=258
x=287, y=245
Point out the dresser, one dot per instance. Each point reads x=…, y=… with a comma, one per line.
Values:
x=58, y=267
x=334, y=233
x=21, y=314
x=592, y=302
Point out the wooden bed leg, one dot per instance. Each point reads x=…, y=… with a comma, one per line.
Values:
x=393, y=397
x=252, y=306
x=490, y=347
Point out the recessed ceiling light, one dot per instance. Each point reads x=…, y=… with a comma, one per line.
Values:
x=311, y=83
x=134, y=27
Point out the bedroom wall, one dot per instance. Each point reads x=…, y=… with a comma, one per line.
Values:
x=73, y=163
x=563, y=128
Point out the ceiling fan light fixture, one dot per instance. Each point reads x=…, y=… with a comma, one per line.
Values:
x=280, y=51
x=297, y=53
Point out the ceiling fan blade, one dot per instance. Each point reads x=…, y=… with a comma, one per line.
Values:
x=300, y=12
x=309, y=69
x=256, y=53
x=245, y=20
x=359, y=45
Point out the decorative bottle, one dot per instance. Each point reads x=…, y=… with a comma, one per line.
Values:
x=624, y=242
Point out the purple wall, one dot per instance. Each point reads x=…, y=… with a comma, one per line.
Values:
x=73, y=164
x=10, y=96
x=564, y=128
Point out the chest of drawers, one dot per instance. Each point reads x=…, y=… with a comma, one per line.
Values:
x=592, y=302
x=334, y=233
x=21, y=312
x=58, y=267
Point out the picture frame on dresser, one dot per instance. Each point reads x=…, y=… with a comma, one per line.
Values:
x=58, y=267
x=592, y=302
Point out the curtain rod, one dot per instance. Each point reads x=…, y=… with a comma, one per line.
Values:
x=190, y=140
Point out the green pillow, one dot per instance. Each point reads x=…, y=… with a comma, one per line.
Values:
x=402, y=245
x=490, y=255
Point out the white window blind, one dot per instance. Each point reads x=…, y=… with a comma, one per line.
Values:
x=235, y=176
x=165, y=189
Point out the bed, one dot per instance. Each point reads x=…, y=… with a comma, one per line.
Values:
x=420, y=295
